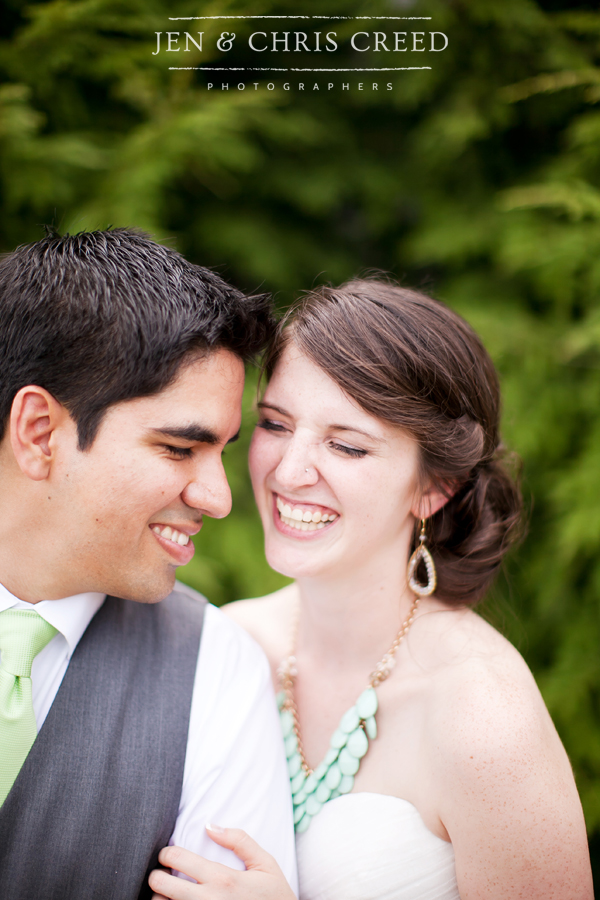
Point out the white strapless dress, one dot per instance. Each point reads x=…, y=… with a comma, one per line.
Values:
x=373, y=847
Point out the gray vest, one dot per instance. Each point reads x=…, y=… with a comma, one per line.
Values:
x=98, y=794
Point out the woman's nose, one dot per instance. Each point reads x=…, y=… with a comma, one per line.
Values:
x=296, y=467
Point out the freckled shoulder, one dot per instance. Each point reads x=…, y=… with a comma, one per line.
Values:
x=501, y=779
x=477, y=694
x=269, y=620
x=489, y=729
x=442, y=639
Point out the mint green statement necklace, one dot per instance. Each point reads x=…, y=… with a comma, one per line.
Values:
x=349, y=743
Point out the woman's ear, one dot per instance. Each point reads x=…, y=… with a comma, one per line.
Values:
x=35, y=415
x=433, y=499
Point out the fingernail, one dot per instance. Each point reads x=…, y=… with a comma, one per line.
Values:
x=216, y=829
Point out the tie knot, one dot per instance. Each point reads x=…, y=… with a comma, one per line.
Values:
x=23, y=634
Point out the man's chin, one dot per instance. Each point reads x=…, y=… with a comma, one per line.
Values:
x=150, y=590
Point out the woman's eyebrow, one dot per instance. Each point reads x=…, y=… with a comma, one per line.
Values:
x=367, y=434
x=262, y=405
x=373, y=437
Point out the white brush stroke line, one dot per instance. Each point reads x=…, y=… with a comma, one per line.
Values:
x=345, y=18
x=222, y=69
x=240, y=69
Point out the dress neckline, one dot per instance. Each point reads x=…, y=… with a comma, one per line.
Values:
x=392, y=797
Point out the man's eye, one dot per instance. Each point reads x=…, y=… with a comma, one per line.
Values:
x=179, y=452
x=349, y=451
x=269, y=425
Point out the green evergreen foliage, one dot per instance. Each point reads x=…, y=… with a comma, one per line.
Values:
x=478, y=180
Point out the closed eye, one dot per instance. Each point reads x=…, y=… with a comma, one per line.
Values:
x=349, y=451
x=179, y=452
x=270, y=425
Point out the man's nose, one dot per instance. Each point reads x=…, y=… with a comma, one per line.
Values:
x=209, y=491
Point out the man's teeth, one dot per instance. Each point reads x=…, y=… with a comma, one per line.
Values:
x=178, y=537
x=303, y=519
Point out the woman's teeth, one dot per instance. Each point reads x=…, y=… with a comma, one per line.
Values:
x=178, y=537
x=303, y=519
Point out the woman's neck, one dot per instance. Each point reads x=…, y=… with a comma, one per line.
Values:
x=350, y=621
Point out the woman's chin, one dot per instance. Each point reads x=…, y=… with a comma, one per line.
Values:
x=296, y=562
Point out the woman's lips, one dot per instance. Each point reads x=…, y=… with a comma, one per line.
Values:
x=301, y=520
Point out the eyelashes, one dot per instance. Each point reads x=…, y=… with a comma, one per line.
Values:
x=349, y=451
x=268, y=425
x=276, y=427
x=179, y=452
x=184, y=452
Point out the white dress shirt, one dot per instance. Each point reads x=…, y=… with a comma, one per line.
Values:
x=235, y=773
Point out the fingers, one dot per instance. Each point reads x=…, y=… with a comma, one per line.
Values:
x=252, y=855
x=187, y=862
x=264, y=879
x=167, y=887
x=213, y=878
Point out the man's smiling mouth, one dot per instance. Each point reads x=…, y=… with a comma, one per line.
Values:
x=171, y=534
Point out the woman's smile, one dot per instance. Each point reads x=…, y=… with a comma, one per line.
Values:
x=299, y=518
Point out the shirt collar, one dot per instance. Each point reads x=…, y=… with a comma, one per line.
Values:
x=70, y=615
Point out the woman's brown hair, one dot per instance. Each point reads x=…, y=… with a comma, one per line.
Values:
x=411, y=361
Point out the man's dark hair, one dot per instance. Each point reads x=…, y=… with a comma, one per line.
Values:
x=101, y=317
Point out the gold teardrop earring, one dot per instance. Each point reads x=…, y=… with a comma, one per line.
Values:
x=422, y=553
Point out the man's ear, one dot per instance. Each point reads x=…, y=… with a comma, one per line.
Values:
x=34, y=417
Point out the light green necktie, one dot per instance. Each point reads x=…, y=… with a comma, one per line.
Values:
x=23, y=633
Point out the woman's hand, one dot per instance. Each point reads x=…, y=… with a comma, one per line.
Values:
x=262, y=880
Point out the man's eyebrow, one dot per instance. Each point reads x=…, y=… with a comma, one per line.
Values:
x=195, y=434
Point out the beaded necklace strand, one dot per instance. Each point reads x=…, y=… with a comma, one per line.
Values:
x=349, y=743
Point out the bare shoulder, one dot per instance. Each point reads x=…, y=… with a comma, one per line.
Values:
x=268, y=619
x=503, y=782
x=480, y=690
x=486, y=722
